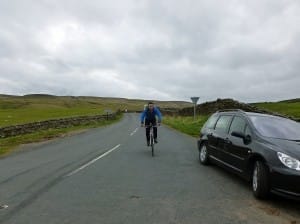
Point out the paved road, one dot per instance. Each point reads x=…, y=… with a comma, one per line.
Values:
x=107, y=175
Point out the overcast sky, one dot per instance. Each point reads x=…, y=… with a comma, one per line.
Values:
x=164, y=49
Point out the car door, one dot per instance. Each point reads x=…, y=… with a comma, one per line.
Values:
x=209, y=130
x=236, y=148
x=218, y=136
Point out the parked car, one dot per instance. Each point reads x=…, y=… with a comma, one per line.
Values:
x=263, y=149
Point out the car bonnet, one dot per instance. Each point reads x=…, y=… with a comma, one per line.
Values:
x=290, y=147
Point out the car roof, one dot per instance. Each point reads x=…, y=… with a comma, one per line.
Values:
x=241, y=112
x=266, y=115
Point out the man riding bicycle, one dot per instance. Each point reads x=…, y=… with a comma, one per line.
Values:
x=149, y=117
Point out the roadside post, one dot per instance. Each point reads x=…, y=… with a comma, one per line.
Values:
x=195, y=100
x=108, y=112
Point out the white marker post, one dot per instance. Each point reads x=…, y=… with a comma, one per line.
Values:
x=195, y=100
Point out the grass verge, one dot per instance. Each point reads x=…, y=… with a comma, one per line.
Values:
x=187, y=124
x=8, y=145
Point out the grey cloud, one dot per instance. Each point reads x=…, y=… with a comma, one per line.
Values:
x=151, y=49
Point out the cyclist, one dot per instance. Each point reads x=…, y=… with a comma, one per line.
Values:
x=149, y=117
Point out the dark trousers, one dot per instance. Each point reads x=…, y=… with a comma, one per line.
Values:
x=147, y=123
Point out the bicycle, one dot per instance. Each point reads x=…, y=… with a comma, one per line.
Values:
x=151, y=138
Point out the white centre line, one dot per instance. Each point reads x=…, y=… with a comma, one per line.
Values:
x=92, y=161
x=134, y=131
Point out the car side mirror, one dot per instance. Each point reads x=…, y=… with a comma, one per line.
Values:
x=238, y=134
x=246, y=138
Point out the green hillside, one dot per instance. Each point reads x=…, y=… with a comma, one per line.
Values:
x=287, y=107
x=29, y=108
x=37, y=107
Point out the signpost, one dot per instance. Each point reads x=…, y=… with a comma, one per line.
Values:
x=195, y=100
x=108, y=112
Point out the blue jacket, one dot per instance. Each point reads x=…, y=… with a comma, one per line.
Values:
x=145, y=114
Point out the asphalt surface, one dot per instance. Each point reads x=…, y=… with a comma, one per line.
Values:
x=107, y=175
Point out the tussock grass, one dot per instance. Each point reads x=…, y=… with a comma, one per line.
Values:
x=186, y=124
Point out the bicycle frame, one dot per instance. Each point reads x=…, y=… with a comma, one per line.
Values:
x=151, y=137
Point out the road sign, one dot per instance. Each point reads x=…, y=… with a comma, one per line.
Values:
x=194, y=99
x=108, y=111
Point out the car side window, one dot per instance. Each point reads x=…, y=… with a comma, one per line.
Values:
x=211, y=122
x=248, y=131
x=223, y=123
x=238, y=125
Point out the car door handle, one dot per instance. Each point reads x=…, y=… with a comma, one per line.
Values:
x=227, y=141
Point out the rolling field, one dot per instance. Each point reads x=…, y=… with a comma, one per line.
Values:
x=20, y=110
x=288, y=107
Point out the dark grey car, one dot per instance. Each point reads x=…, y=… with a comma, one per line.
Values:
x=261, y=148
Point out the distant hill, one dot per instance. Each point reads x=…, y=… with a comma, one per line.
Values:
x=39, y=95
x=9, y=101
x=297, y=100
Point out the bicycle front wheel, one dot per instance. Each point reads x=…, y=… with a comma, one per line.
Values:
x=152, y=145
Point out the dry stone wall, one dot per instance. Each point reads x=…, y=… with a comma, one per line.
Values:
x=54, y=123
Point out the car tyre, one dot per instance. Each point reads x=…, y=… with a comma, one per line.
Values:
x=203, y=154
x=260, y=180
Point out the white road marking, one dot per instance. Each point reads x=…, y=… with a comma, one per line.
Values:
x=134, y=131
x=92, y=161
x=3, y=206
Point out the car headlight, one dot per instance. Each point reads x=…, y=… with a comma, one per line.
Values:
x=288, y=161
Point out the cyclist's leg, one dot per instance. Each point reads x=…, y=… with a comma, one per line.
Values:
x=155, y=131
x=147, y=123
x=155, y=134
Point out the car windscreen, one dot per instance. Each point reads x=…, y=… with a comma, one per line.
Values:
x=210, y=123
x=276, y=127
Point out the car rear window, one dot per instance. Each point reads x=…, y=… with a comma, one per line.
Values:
x=223, y=123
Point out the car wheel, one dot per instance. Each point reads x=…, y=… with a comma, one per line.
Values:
x=203, y=155
x=260, y=180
